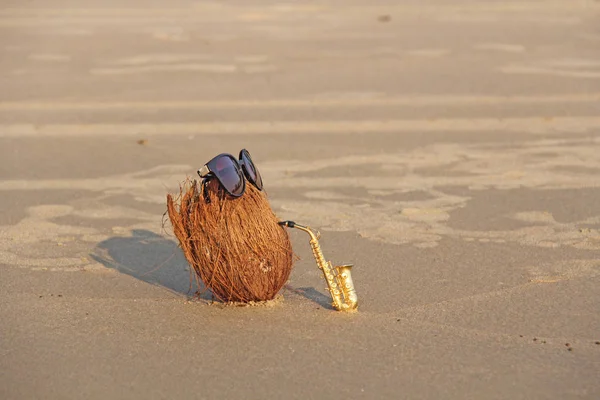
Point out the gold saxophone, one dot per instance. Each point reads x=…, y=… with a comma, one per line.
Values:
x=339, y=279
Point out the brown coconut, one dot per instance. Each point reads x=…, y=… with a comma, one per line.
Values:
x=234, y=245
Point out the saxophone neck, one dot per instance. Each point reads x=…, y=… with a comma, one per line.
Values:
x=291, y=224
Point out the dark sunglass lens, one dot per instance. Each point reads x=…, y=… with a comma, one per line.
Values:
x=228, y=172
x=251, y=169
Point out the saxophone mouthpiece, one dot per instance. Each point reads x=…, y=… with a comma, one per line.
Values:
x=289, y=224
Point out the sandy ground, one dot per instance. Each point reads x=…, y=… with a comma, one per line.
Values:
x=450, y=150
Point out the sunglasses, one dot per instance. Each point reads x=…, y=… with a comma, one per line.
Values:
x=230, y=172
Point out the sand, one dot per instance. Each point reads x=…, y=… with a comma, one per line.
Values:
x=450, y=150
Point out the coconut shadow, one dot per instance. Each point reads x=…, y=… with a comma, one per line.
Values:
x=150, y=258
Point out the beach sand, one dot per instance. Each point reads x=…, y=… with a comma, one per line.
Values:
x=450, y=151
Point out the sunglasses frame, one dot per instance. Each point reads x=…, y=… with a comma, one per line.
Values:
x=207, y=172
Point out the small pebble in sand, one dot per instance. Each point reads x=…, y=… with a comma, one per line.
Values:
x=598, y=342
x=567, y=344
x=570, y=349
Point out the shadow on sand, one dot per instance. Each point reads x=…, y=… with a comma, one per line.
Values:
x=311, y=294
x=159, y=261
x=150, y=258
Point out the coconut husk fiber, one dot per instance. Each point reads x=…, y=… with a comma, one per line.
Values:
x=234, y=245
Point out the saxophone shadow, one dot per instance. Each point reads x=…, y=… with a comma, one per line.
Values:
x=311, y=294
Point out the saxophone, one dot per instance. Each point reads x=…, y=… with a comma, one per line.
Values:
x=339, y=279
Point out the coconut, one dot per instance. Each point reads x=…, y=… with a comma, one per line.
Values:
x=234, y=245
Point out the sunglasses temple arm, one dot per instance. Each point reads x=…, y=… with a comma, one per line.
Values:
x=204, y=171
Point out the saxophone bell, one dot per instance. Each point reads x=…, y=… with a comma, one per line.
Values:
x=347, y=285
